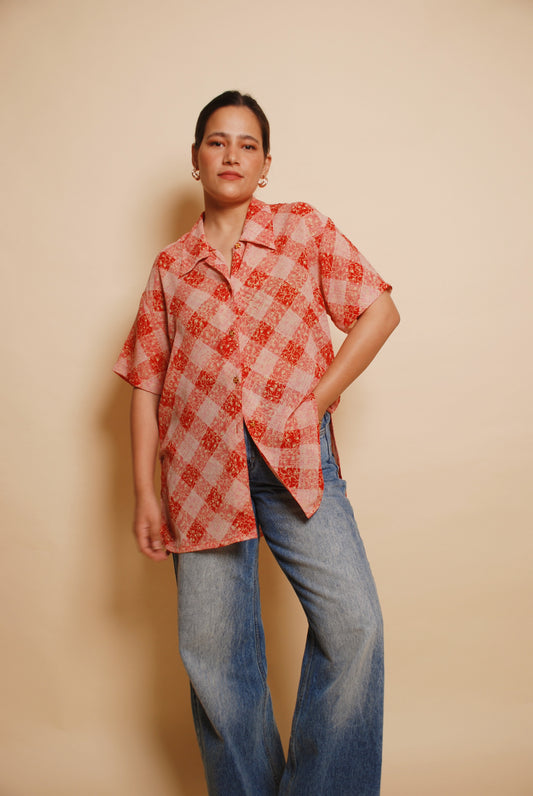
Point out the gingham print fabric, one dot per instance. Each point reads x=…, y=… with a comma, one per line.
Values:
x=247, y=344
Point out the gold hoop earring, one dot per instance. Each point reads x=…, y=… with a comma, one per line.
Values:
x=196, y=174
x=263, y=182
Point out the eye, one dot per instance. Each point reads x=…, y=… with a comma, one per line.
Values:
x=214, y=142
x=250, y=147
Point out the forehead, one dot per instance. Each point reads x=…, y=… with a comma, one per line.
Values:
x=233, y=120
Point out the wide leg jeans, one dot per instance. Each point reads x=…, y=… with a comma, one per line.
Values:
x=335, y=744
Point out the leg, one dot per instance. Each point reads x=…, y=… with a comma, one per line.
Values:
x=222, y=648
x=336, y=738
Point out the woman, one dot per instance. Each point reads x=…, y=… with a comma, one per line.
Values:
x=235, y=381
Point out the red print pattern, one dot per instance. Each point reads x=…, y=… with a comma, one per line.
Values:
x=248, y=345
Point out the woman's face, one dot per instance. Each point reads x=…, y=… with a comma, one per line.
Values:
x=231, y=158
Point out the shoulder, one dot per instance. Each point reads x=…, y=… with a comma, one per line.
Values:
x=171, y=253
x=182, y=252
x=299, y=209
x=299, y=215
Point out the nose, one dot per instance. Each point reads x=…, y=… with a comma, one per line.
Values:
x=231, y=155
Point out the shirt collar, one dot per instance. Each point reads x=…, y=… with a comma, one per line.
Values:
x=257, y=229
x=191, y=249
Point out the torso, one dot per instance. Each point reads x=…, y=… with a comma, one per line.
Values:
x=223, y=348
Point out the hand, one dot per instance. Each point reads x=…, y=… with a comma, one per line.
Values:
x=147, y=527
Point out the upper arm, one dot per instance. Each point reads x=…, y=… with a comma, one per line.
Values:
x=350, y=285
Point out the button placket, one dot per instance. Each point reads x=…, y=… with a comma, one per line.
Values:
x=235, y=263
x=236, y=256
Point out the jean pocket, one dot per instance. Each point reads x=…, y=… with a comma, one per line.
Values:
x=324, y=423
x=328, y=462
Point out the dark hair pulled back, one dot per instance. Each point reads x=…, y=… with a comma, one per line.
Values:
x=239, y=100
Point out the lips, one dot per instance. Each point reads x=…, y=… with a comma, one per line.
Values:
x=230, y=175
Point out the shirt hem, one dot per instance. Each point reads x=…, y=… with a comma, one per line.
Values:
x=213, y=544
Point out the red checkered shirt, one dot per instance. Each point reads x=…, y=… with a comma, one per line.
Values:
x=248, y=344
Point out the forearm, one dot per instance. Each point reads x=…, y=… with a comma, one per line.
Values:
x=144, y=444
x=144, y=440
x=359, y=348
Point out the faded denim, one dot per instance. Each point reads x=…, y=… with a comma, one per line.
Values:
x=335, y=745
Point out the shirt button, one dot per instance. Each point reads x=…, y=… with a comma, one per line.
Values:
x=236, y=380
x=231, y=332
x=237, y=246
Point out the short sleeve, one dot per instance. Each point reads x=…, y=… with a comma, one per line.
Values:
x=349, y=283
x=144, y=357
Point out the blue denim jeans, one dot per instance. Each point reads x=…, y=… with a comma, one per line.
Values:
x=335, y=745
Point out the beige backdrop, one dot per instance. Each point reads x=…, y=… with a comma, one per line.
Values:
x=410, y=124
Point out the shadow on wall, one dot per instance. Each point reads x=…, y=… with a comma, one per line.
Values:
x=143, y=595
x=143, y=604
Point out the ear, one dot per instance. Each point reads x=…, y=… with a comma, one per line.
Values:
x=194, y=156
x=266, y=166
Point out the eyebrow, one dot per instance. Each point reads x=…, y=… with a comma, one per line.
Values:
x=227, y=135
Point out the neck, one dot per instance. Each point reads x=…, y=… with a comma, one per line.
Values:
x=224, y=222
